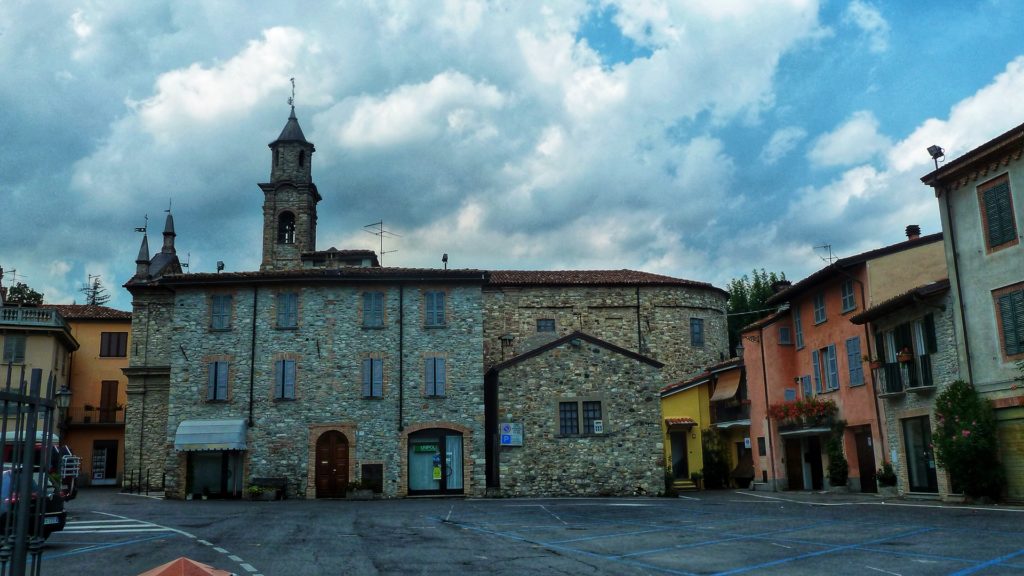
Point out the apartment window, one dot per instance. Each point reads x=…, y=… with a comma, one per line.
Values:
x=1010, y=318
x=545, y=325
x=697, y=332
x=14, y=349
x=284, y=380
x=789, y=395
x=434, y=308
x=113, y=344
x=826, y=368
x=849, y=302
x=217, y=381
x=855, y=361
x=798, y=329
x=373, y=309
x=373, y=377
x=220, y=312
x=819, y=307
x=569, y=417
x=434, y=375
x=785, y=336
x=997, y=214
x=761, y=448
x=287, y=309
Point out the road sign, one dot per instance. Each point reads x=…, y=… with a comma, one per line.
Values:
x=511, y=434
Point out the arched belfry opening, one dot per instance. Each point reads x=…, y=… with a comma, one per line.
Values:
x=286, y=228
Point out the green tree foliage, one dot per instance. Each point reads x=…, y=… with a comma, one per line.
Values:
x=95, y=293
x=21, y=293
x=965, y=441
x=747, y=296
x=716, y=459
x=838, y=467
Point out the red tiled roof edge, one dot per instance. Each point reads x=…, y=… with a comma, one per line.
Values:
x=88, y=312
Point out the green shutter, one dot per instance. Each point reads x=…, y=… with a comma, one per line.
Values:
x=1011, y=313
x=999, y=215
x=367, y=375
x=288, y=384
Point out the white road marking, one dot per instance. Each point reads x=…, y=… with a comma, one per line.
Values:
x=221, y=550
x=883, y=571
x=886, y=503
x=680, y=496
x=544, y=508
x=234, y=558
x=782, y=545
x=248, y=567
x=205, y=543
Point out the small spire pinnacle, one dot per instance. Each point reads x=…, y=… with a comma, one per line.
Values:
x=168, y=247
x=291, y=99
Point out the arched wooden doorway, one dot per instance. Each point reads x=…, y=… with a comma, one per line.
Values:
x=331, y=465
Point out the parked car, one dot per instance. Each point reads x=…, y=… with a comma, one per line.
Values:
x=64, y=466
x=54, y=515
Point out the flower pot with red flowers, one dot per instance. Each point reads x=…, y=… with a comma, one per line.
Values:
x=905, y=356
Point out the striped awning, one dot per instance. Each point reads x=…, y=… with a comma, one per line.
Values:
x=198, y=435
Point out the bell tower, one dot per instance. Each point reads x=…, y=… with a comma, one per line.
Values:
x=289, y=200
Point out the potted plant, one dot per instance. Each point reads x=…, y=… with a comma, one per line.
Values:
x=874, y=362
x=886, y=479
x=905, y=356
x=358, y=491
x=257, y=492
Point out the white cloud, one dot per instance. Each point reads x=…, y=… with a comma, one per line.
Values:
x=782, y=142
x=854, y=141
x=872, y=24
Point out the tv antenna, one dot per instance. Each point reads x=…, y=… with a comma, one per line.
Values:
x=188, y=260
x=377, y=229
x=831, y=258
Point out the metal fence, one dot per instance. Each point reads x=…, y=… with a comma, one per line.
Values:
x=26, y=446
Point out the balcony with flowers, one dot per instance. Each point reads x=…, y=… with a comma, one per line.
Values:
x=805, y=417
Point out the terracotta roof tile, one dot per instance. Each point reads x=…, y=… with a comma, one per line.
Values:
x=902, y=300
x=88, y=312
x=590, y=278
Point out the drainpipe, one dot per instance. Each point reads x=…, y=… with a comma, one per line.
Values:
x=401, y=355
x=639, y=336
x=252, y=354
x=959, y=290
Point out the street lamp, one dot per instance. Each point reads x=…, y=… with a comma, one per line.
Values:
x=63, y=398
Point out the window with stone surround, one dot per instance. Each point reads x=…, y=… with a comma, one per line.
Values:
x=434, y=308
x=220, y=312
x=373, y=309
x=287, y=309
x=373, y=377
x=284, y=380
x=545, y=325
x=697, y=332
x=435, y=376
x=217, y=373
x=580, y=414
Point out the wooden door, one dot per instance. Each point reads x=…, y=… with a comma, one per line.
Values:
x=331, y=465
x=108, y=401
x=814, y=461
x=865, y=460
x=794, y=464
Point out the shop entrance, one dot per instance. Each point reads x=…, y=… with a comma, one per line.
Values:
x=435, y=462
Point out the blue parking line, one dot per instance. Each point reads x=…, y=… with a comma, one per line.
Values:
x=615, y=535
x=730, y=538
x=105, y=546
x=821, y=552
x=992, y=562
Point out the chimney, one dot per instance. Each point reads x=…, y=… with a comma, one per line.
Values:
x=913, y=232
x=780, y=285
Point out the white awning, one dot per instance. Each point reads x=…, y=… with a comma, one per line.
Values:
x=195, y=435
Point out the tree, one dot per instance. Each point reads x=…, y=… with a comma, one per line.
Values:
x=966, y=443
x=95, y=293
x=716, y=459
x=747, y=296
x=21, y=293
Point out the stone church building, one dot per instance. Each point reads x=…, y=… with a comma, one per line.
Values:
x=324, y=368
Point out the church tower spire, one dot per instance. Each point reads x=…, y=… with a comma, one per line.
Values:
x=289, y=199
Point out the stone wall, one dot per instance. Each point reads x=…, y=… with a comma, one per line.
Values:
x=626, y=459
x=328, y=346
x=610, y=313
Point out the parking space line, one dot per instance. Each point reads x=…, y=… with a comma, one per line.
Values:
x=98, y=547
x=615, y=535
x=988, y=564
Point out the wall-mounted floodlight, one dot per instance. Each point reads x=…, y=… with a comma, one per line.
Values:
x=936, y=152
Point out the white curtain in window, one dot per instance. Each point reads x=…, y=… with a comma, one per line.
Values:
x=453, y=454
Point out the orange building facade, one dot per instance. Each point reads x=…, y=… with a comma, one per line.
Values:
x=93, y=426
x=808, y=368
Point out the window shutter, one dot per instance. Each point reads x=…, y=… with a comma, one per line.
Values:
x=816, y=366
x=931, y=342
x=279, y=379
x=428, y=375
x=9, y=342
x=805, y=384
x=289, y=379
x=1011, y=312
x=798, y=327
x=439, y=376
x=853, y=358
x=367, y=376
x=222, y=380
x=998, y=215
x=833, y=368
x=211, y=386
x=378, y=377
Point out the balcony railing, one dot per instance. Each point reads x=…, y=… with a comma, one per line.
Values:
x=729, y=413
x=78, y=416
x=896, y=378
x=28, y=316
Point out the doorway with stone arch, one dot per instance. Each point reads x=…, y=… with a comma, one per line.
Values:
x=331, y=465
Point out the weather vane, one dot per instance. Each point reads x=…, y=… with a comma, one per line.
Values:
x=169, y=200
x=291, y=100
x=144, y=228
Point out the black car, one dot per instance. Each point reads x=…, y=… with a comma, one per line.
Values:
x=54, y=516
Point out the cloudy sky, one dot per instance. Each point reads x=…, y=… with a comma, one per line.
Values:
x=699, y=139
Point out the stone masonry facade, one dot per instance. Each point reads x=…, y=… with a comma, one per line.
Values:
x=610, y=313
x=625, y=459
